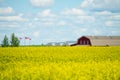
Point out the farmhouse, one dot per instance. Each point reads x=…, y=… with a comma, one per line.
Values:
x=98, y=41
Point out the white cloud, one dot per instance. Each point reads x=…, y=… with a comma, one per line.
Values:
x=115, y=17
x=62, y=23
x=36, y=34
x=84, y=29
x=96, y=32
x=109, y=23
x=108, y=18
x=21, y=14
x=103, y=13
x=48, y=23
x=46, y=18
x=7, y=10
x=12, y=18
x=46, y=13
x=112, y=23
x=73, y=11
x=77, y=16
x=101, y=4
x=85, y=19
x=41, y=3
x=10, y=25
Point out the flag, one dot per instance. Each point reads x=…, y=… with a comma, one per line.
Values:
x=28, y=38
x=20, y=38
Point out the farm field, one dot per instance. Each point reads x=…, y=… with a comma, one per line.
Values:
x=60, y=63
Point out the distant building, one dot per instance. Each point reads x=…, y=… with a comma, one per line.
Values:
x=57, y=44
x=70, y=42
x=98, y=41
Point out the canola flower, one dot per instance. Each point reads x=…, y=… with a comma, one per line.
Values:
x=60, y=63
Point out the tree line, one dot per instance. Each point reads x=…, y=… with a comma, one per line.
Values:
x=14, y=42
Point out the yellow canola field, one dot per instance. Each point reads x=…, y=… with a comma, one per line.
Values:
x=60, y=63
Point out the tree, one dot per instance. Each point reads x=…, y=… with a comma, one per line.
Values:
x=5, y=42
x=65, y=44
x=49, y=44
x=15, y=42
x=57, y=44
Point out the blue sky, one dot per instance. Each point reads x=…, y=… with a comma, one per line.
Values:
x=58, y=20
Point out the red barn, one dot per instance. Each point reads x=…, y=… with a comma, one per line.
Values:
x=98, y=41
x=83, y=41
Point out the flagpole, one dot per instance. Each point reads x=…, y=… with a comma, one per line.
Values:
x=20, y=40
x=28, y=38
x=29, y=42
x=25, y=42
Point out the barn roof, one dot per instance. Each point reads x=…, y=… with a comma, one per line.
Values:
x=105, y=40
x=103, y=37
